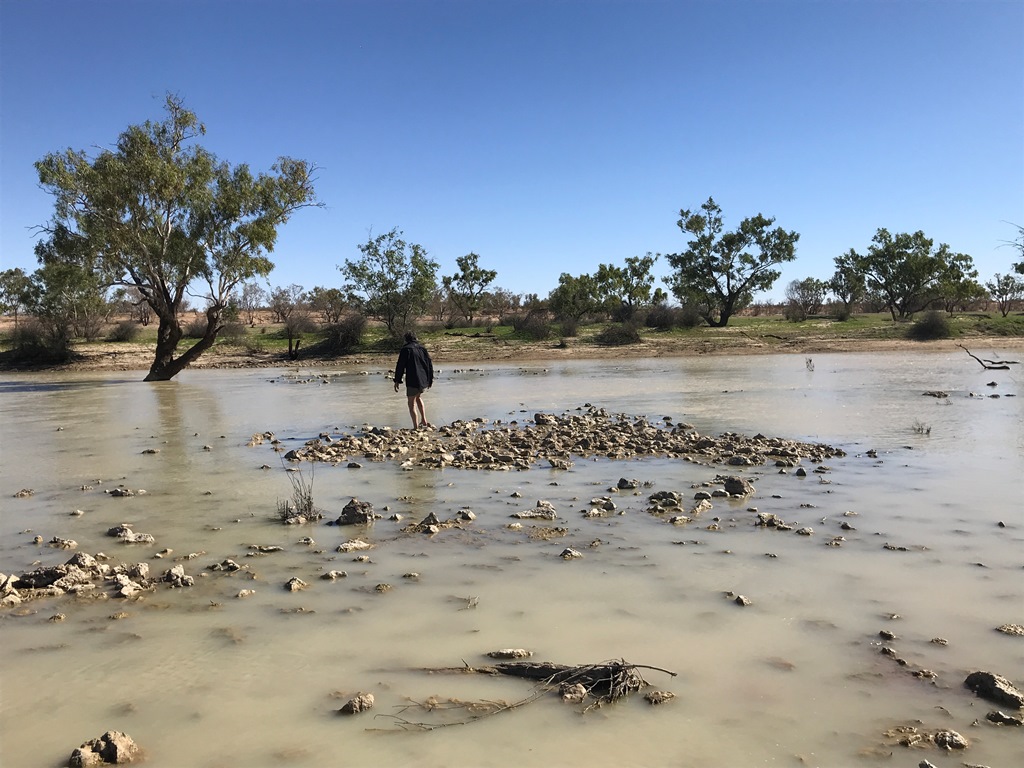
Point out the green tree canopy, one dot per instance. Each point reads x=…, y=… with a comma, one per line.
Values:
x=847, y=283
x=15, y=292
x=574, y=297
x=804, y=298
x=467, y=287
x=159, y=213
x=393, y=279
x=629, y=286
x=1007, y=292
x=720, y=271
x=905, y=270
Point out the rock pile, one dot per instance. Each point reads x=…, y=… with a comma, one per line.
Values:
x=552, y=440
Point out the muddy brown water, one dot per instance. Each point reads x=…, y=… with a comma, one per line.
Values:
x=199, y=677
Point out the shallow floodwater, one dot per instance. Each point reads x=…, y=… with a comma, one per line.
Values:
x=199, y=677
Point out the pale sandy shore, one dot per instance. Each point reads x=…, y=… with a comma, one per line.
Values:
x=483, y=348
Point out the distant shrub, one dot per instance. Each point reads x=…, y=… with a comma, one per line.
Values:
x=931, y=325
x=233, y=332
x=617, y=335
x=533, y=326
x=195, y=328
x=35, y=342
x=126, y=330
x=664, y=318
x=570, y=327
x=344, y=336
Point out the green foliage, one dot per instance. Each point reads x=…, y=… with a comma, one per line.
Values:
x=930, y=326
x=158, y=213
x=250, y=298
x=720, y=271
x=803, y=298
x=285, y=300
x=847, y=284
x=15, y=292
x=958, y=286
x=664, y=318
x=329, y=302
x=126, y=330
x=574, y=297
x=394, y=280
x=906, y=272
x=466, y=288
x=618, y=334
x=628, y=288
x=1007, y=292
x=533, y=326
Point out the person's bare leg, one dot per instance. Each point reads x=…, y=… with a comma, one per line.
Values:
x=412, y=410
x=422, y=410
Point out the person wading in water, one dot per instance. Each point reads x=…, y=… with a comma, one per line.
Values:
x=415, y=365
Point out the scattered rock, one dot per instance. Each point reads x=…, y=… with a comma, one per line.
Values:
x=294, y=584
x=357, y=513
x=177, y=577
x=738, y=486
x=112, y=748
x=360, y=703
x=946, y=739
x=570, y=554
x=1011, y=629
x=510, y=653
x=658, y=697
x=995, y=688
x=1000, y=718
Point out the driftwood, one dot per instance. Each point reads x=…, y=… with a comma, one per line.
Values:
x=991, y=365
x=604, y=683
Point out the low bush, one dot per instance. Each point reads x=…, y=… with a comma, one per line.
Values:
x=532, y=326
x=931, y=325
x=233, y=333
x=195, y=328
x=618, y=335
x=126, y=330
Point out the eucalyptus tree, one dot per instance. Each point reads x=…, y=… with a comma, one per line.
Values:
x=160, y=213
x=467, y=287
x=393, y=279
x=1007, y=292
x=628, y=287
x=847, y=283
x=719, y=273
x=906, y=270
x=15, y=292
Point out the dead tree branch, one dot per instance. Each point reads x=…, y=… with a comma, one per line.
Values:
x=990, y=365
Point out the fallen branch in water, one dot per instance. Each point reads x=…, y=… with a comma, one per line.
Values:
x=605, y=683
x=991, y=365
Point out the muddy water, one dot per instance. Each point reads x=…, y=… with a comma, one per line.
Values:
x=201, y=678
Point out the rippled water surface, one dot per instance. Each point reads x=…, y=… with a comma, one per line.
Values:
x=199, y=677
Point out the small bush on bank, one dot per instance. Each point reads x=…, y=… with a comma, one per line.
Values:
x=930, y=326
x=665, y=318
x=126, y=330
x=233, y=333
x=34, y=343
x=532, y=326
x=195, y=328
x=618, y=335
x=344, y=336
x=570, y=327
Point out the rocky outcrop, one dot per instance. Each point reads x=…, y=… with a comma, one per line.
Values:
x=995, y=688
x=112, y=748
x=551, y=439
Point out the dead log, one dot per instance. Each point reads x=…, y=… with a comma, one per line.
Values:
x=991, y=365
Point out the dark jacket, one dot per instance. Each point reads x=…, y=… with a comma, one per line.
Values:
x=415, y=365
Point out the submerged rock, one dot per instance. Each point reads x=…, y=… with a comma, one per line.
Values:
x=360, y=703
x=995, y=688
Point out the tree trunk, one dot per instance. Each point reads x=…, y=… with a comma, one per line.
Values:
x=165, y=366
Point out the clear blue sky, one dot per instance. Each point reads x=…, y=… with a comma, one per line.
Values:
x=551, y=136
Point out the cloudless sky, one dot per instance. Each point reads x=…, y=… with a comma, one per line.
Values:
x=548, y=136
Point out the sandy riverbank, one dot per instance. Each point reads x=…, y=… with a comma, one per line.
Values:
x=455, y=348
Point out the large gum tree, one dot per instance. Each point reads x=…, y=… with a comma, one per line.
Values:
x=160, y=214
x=720, y=271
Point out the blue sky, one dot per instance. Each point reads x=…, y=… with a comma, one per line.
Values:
x=552, y=136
